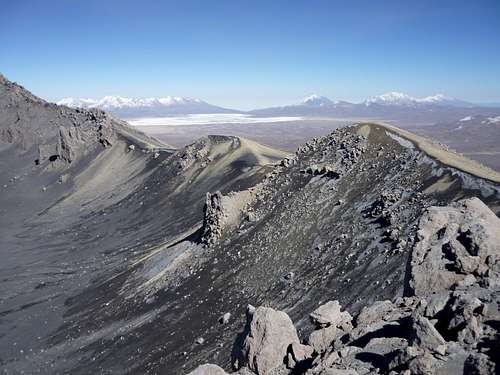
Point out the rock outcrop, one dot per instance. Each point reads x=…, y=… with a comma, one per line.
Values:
x=456, y=244
x=222, y=213
x=268, y=335
x=59, y=135
x=448, y=324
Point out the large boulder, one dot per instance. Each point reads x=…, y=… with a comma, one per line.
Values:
x=331, y=323
x=268, y=336
x=425, y=336
x=322, y=338
x=208, y=369
x=329, y=314
x=453, y=242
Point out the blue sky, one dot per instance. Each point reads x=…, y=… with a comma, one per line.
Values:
x=248, y=54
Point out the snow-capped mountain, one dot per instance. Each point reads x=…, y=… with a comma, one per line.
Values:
x=392, y=106
x=400, y=99
x=321, y=101
x=146, y=107
x=390, y=98
x=316, y=101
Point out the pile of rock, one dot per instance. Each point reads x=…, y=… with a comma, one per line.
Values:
x=449, y=322
x=184, y=158
x=321, y=170
x=381, y=207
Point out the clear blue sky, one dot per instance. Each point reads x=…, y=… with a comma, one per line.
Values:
x=248, y=54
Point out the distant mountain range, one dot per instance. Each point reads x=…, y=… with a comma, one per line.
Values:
x=389, y=106
x=387, y=99
x=393, y=106
x=146, y=107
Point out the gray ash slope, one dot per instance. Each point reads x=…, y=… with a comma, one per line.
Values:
x=128, y=265
x=83, y=196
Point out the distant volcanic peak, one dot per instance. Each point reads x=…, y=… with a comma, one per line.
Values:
x=315, y=100
x=438, y=98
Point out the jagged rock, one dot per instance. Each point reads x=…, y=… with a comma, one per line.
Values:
x=208, y=369
x=224, y=319
x=379, y=310
x=321, y=170
x=492, y=276
x=380, y=208
x=329, y=314
x=464, y=308
x=213, y=218
x=298, y=353
x=68, y=142
x=435, y=304
x=250, y=310
x=222, y=212
x=424, y=335
x=479, y=364
x=424, y=364
x=269, y=333
x=301, y=352
x=453, y=242
x=322, y=338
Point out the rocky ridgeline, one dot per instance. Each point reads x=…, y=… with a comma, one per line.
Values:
x=184, y=158
x=73, y=141
x=341, y=146
x=341, y=150
x=58, y=135
x=448, y=322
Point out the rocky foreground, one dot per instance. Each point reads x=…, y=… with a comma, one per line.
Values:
x=448, y=324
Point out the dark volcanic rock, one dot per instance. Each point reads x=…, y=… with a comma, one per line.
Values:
x=454, y=243
x=269, y=334
x=103, y=269
x=394, y=337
